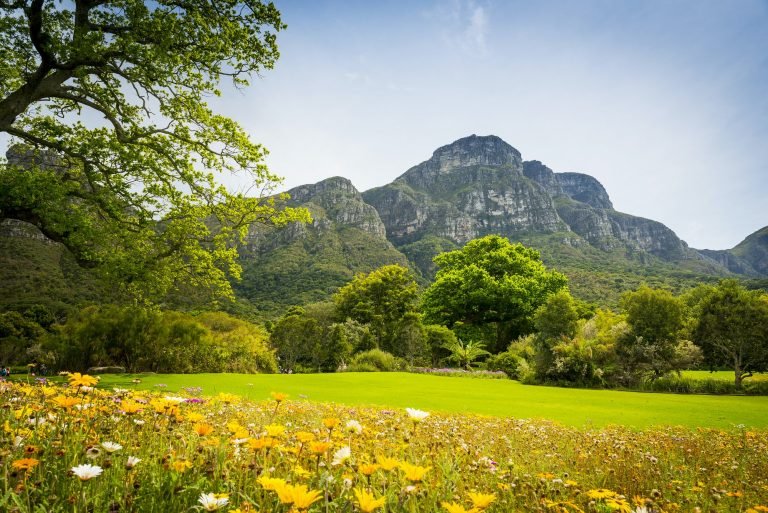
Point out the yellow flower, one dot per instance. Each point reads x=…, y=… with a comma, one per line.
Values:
x=274, y=430
x=618, y=505
x=303, y=498
x=367, y=469
x=414, y=473
x=481, y=500
x=25, y=464
x=304, y=436
x=600, y=493
x=203, y=429
x=270, y=483
x=181, y=465
x=82, y=380
x=331, y=423
x=319, y=447
x=279, y=397
x=453, y=507
x=131, y=407
x=367, y=502
x=387, y=463
x=65, y=401
x=194, y=416
x=227, y=398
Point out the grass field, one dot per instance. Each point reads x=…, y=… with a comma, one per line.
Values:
x=503, y=398
x=721, y=376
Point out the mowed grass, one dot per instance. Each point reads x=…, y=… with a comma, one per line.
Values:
x=503, y=398
x=721, y=376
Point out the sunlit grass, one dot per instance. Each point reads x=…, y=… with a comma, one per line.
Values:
x=575, y=407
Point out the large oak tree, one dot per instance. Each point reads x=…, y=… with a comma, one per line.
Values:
x=121, y=157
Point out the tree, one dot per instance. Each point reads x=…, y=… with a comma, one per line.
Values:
x=655, y=319
x=120, y=152
x=490, y=281
x=465, y=353
x=556, y=320
x=380, y=298
x=733, y=329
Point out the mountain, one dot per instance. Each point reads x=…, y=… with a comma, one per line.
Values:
x=749, y=257
x=472, y=187
x=303, y=263
x=480, y=185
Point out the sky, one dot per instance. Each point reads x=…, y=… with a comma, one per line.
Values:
x=663, y=101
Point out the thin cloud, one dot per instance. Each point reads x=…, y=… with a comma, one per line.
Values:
x=464, y=24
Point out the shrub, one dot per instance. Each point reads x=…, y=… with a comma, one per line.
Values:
x=378, y=359
x=506, y=362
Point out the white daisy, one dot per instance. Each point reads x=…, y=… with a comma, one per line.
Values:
x=87, y=471
x=111, y=447
x=213, y=501
x=417, y=415
x=341, y=455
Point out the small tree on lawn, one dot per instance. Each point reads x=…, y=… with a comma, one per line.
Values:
x=733, y=329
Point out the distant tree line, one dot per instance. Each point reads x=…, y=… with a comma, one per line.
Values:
x=493, y=304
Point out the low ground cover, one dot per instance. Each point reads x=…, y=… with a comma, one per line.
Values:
x=575, y=407
x=73, y=448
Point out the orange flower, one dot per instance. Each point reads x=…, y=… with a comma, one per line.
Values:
x=203, y=429
x=331, y=423
x=25, y=464
x=368, y=469
x=319, y=447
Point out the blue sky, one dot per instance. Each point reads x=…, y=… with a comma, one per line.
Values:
x=663, y=101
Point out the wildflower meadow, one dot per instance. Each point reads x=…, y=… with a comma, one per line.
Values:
x=79, y=448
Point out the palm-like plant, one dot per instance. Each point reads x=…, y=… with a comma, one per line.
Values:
x=464, y=354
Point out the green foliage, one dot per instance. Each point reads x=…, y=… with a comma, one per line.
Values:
x=307, y=339
x=101, y=188
x=410, y=340
x=490, y=282
x=733, y=329
x=555, y=321
x=650, y=349
x=374, y=360
x=311, y=267
x=18, y=335
x=438, y=337
x=464, y=354
x=380, y=299
x=506, y=361
x=557, y=317
x=141, y=339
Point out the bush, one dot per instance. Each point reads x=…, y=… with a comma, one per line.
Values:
x=378, y=359
x=361, y=367
x=506, y=362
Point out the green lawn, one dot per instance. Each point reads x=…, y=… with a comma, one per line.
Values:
x=569, y=406
x=721, y=376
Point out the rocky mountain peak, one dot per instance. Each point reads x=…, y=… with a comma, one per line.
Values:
x=584, y=188
x=473, y=151
x=335, y=184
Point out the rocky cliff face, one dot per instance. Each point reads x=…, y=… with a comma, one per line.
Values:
x=470, y=188
x=749, y=257
x=480, y=185
x=303, y=263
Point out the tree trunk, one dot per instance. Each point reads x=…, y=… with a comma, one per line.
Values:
x=738, y=374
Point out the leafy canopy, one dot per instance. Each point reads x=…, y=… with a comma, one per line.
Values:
x=380, y=298
x=490, y=280
x=733, y=329
x=108, y=98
